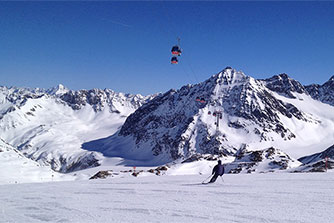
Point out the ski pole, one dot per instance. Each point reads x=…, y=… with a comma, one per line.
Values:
x=222, y=179
x=206, y=179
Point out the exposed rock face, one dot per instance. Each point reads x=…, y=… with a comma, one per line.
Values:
x=101, y=174
x=318, y=166
x=318, y=162
x=323, y=93
x=266, y=160
x=329, y=152
x=98, y=99
x=284, y=85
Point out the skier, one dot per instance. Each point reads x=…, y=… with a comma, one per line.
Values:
x=218, y=170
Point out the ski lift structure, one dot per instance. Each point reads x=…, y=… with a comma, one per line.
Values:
x=176, y=52
x=218, y=115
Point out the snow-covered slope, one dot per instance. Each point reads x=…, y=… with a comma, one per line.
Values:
x=276, y=112
x=318, y=156
x=49, y=126
x=319, y=162
x=261, y=161
x=251, y=198
x=16, y=168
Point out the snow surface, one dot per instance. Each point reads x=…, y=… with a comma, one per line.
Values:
x=240, y=198
x=16, y=168
x=312, y=137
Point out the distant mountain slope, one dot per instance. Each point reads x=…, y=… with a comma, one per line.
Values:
x=16, y=168
x=323, y=93
x=319, y=162
x=318, y=156
x=49, y=126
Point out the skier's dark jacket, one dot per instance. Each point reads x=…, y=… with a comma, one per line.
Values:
x=218, y=169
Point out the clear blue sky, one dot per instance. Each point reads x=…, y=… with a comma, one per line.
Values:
x=125, y=46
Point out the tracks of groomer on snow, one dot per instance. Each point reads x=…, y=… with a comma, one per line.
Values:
x=241, y=198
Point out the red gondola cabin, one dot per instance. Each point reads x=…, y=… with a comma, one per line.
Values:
x=176, y=50
x=174, y=60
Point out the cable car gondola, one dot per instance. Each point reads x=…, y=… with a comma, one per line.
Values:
x=176, y=51
x=174, y=60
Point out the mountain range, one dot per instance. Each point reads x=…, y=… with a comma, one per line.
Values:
x=49, y=126
x=225, y=116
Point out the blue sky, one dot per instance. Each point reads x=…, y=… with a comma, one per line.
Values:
x=125, y=46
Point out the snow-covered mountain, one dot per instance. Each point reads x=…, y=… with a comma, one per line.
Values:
x=49, y=126
x=58, y=90
x=260, y=161
x=16, y=168
x=323, y=93
x=318, y=162
x=276, y=112
x=329, y=152
x=215, y=119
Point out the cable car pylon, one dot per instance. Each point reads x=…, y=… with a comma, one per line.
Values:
x=219, y=115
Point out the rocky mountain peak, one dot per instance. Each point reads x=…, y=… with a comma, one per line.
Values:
x=323, y=93
x=58, y=90
x=284, y=85
x=329, y=84
x=99, y=99
x=229, y=76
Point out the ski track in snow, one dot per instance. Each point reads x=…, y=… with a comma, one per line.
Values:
x=240, y=198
